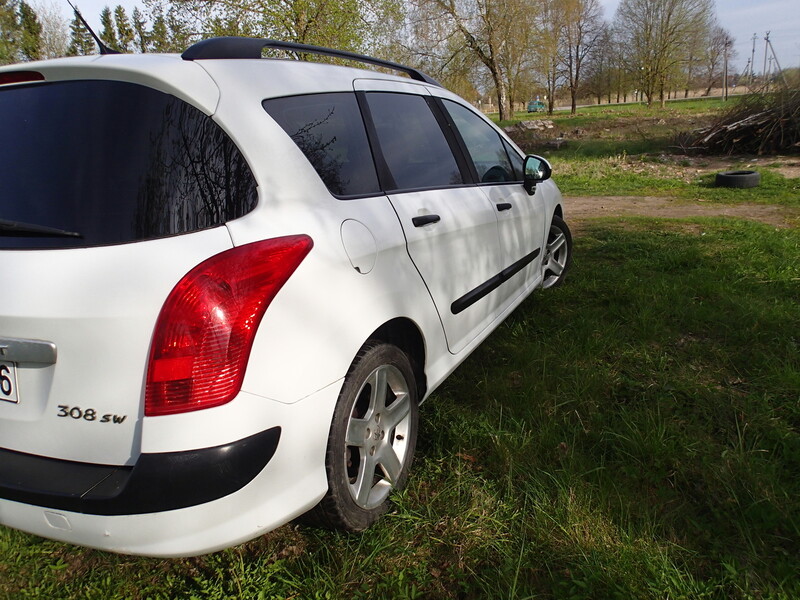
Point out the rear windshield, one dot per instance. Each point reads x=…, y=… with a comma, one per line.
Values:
x=89, y=163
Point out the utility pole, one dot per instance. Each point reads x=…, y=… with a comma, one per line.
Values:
x=752, y=62
x=725, y=72
x=766, y=45
x=777, y=64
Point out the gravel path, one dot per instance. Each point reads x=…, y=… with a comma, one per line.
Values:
x=582, y=207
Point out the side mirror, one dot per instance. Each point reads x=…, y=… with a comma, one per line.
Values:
x=536, y=170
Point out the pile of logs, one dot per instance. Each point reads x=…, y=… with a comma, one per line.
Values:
x=756, y=124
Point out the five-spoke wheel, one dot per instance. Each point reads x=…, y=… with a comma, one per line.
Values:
x=372, y=438
x=557, y=253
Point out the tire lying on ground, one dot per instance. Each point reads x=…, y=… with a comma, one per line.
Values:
x=738, y=179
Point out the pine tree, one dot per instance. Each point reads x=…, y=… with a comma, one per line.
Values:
x=159, y=35
x=30, y=40
x=180, y=37
x=125, y=33
x=81, y=41
x=108, y=33
x=141, y=37
x=9, y=32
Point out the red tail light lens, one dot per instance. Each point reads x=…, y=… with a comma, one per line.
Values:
x=206, y=328
x=20, y=77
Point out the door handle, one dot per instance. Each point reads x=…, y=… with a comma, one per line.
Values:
x=425, y=220
x=504, y=206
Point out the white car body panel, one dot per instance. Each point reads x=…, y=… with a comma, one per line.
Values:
x=369, y=266
x=85, y=301
x=445, y=254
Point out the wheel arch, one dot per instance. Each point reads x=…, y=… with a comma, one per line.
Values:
x=404, y=333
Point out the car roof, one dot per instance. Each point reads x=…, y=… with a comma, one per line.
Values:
x=199, y=81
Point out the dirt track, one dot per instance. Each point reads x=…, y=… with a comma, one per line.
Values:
x=581, y=207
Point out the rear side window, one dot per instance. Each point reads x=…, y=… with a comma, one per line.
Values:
x=489, y=152
x=413, y=144
x=115, y=162
x=329, y=130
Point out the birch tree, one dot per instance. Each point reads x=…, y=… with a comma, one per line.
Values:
x=55, y=30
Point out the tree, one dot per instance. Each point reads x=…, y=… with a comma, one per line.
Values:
x=125, y=33
x=81, y=41
x=655, y=32
x=581, y=30
x=55, y=30
x=718, y=42
x=108, y=33
x=602, y=72
x=30, y=33
x=339, y=24
x=158, y=38
x=9, y=32
x=485, y=29
x=550, y=23
x=140, y=35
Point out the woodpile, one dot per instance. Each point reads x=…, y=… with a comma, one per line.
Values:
x=756, y=124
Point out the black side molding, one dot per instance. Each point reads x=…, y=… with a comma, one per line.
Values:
x=487, y=287
x=158, y=482
x=241, y=47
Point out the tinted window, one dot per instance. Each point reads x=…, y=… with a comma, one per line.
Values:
x=412, y=142
x=516, y=160
x=328, y=128
x=485, y=146
x=115, y=162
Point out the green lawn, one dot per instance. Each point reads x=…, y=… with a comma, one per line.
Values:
x=632, y=434
x=589, y=115
x=659, y=175
x=633, y=150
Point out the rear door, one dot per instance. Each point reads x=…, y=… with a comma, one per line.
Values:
x=450, y=225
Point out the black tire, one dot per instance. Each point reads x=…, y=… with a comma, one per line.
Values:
x=558, y=254
x=362, y=472
x=738, y=179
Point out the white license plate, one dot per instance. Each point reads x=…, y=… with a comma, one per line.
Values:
x=8, y=382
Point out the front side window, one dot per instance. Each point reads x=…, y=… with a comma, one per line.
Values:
x=413, y=144
x=329, y=130
x=112, y=162
x=485, y=146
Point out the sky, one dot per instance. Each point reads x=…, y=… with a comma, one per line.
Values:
x=742, y=18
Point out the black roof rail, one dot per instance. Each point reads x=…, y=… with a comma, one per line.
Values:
x=242, y=47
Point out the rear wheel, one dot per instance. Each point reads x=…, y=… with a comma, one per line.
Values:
x=557, y=253
x=372, y=439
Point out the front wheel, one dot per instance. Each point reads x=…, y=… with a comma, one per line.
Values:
x=372, y=439
x=557, y=253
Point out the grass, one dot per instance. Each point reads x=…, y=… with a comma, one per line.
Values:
x=632, y=434
x=631, y=150
x=659, y=175
x=612, y=113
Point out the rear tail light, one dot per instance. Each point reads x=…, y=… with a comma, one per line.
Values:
x=206, y=328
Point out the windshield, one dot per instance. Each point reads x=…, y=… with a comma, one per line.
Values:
x=112, y=162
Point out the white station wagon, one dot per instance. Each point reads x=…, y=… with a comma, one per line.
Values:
x=228, y=282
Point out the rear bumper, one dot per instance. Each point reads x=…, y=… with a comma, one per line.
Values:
x=158, y=482
x=292, y=481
